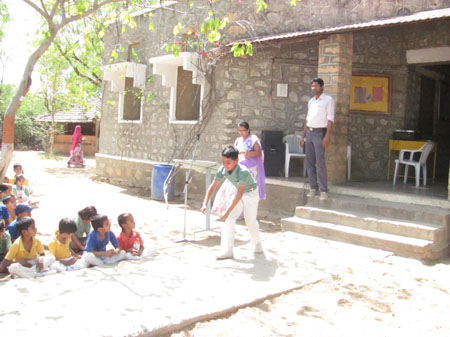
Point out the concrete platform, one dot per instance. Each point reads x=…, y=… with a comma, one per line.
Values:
x=409, y=230
x=179, y=286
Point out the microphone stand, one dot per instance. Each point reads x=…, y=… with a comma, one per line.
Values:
x=186, y=183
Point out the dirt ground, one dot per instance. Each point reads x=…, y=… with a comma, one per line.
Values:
x=390, y=296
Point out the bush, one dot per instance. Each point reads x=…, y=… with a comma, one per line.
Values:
x=28, y=134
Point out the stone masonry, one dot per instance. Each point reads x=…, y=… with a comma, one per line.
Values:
x=245, y=88
x=335, y=68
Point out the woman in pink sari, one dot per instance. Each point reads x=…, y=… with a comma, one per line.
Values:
x=76, y=151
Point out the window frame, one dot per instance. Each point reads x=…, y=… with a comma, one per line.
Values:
x=167, y=67
x=121, y=108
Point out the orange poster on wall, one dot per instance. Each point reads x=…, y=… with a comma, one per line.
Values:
x=370, y=93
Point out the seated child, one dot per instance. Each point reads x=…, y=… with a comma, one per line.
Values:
x=4, y=214
x=26, y=257
x=83, y=222
x=66, y=259
x=17, y=167
x=5, y=189
x=22, y=193
x=5, y=241
x=20, y=190
x=20, y=211
x=95, y=252
x=130, y=240
x=10, y=203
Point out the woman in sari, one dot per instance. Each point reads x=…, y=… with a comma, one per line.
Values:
x=76, y=151
x=251, y=156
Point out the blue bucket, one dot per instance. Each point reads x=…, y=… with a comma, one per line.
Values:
x=159, y=176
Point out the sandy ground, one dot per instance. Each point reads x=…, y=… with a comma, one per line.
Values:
x=382, y=295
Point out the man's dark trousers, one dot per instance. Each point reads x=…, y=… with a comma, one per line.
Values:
x=315, y=160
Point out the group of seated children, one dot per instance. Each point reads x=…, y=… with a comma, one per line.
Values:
x=26, y=256
x=19, y=187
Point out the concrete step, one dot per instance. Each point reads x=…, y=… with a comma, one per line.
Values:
x=386, y=209
x=400, y=245
x=435, y=233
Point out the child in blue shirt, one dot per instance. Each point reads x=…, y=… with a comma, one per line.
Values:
x=21, y=211
x=95, y=252
x=4, y=214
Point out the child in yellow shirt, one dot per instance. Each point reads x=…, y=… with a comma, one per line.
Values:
x=66, y=259
x=26, y=257
x=17, y=167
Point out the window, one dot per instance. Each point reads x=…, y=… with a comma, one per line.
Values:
x=188, y=97
x=187, y=84
x=127, y=79
x=135, y=53
x=130, y=102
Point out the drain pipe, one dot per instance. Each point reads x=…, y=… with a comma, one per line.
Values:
x=349, y=161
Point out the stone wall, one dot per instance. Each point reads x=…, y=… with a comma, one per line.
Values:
x=383, y=51
x=280, y=17
x=245, y=89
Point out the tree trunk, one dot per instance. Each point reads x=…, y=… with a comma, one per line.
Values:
x=52, y=139
x=10, y=115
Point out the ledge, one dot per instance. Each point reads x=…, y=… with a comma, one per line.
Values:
x=167, y=67
x=117, y=72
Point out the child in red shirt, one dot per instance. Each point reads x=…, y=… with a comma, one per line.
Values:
x=130, y=240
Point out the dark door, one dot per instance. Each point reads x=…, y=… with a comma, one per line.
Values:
x=426, y=109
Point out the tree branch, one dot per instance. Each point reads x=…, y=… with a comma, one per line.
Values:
x=44, y=8
x=95, y=7
x=63, y=9
x=37, y=8
x=95, y=80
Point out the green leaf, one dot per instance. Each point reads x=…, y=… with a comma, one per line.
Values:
x=214, y=36
x=242, y=48
x=175, y=50
x=260, y=6
x=249, y=48
x=224, y=23
x=177, y=28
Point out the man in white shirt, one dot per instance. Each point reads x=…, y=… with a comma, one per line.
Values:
x=319, y=122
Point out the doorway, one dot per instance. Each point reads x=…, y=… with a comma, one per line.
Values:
x=434, y=113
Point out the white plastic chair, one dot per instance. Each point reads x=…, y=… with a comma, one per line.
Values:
x=421, y=163
x=293, y=149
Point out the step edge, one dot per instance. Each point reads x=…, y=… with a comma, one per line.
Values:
x=401, y=222
x=354, y=231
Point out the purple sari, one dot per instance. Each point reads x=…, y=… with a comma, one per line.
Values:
x=254, y=164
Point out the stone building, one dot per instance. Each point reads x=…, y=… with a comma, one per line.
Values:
x=406, y=44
